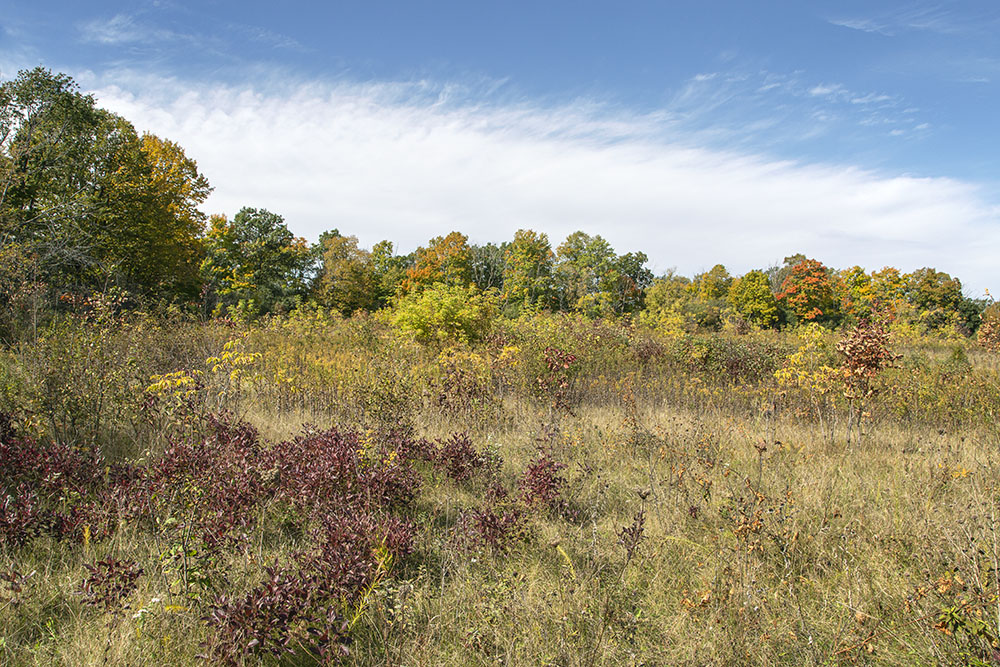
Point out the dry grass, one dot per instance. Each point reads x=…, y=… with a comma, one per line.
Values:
x=766, y=538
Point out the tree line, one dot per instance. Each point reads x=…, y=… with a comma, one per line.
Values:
x=90, y=206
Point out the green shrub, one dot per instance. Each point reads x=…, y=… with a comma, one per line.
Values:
x=445, y=314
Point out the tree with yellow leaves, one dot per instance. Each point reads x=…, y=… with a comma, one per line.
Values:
x=446, y=259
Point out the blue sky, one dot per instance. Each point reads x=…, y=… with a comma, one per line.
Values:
x=699, y=132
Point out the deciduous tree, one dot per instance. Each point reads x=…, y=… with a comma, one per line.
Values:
x=446, y=259
x=751, y=297
x=527, y=277
x=808, y=292
x=255, y=263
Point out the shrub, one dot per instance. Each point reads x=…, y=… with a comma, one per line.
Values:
x=110, y=583
x=443, y=314
x=989, y=330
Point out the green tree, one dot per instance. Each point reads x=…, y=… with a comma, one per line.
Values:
x=527, y=277
x=713, y=285
x=858, y=299
x=929, y=290
x=666, y=302
x=348, y=280
x=255, y=263
x=390, y=270
x=89, y=198
x=47, y=130
x=584, y=264
x=631, y=278
x=752, y=298
x=488, y=263
x=146, y=228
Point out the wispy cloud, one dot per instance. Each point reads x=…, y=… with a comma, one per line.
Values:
x=267, y=37
x=122, y=29
x=407, y=161
x=827, y=90
x=864, y=25
x=932, y=17
x=754, y=108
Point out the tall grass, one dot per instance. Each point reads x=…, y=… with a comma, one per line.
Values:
x=564, y=491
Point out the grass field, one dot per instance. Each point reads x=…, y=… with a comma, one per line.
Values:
x=562, y=492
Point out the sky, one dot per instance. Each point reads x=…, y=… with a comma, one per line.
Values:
x=698, y=132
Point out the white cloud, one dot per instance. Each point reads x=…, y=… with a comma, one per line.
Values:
x=123, y=29
x=410, y=161
x=828, y=90
x=864, y=25
x=267, y=37
x=871, y=98
x=119, y=29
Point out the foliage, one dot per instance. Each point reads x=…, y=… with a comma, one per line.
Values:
x=989, y=330
x=147, y=226
x=751, y=296
x=813, y=365
x=446, y=260
x=47, y=129
x=254, y=263
x=445, y=313
x=89, y=200
x=527, y=275
x=666, y=301
x=592, y=279
x=865, y=350
x=808, y=292
x=110, y=583
x=488, y=263
x=714, y=284
x=347, y=281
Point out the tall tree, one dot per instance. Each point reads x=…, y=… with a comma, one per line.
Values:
x=347, y=281
x=858, y=300
x=752, y=298
x=527, y=276
x=390, y=270
x=47, y=131
x=446, y=259
x=808, y=292
x=630, y=280
x=488, y=265
x=713, y=285
x=88, y=197
x=255, y=263
x=146, y=228
x=581, y=273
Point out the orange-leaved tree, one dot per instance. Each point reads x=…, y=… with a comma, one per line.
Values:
x=446, y=259
x=808, y=291
x=865, y=351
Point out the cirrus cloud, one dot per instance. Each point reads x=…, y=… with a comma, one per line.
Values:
x=410, y=160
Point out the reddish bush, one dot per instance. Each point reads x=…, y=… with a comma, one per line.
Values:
x=542, y=482
x=493, y=527
x=460, y=460
x=110, y=583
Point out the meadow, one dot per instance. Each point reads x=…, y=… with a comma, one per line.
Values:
x=314, y=489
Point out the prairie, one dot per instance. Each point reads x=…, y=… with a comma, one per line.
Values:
x=564, y=491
